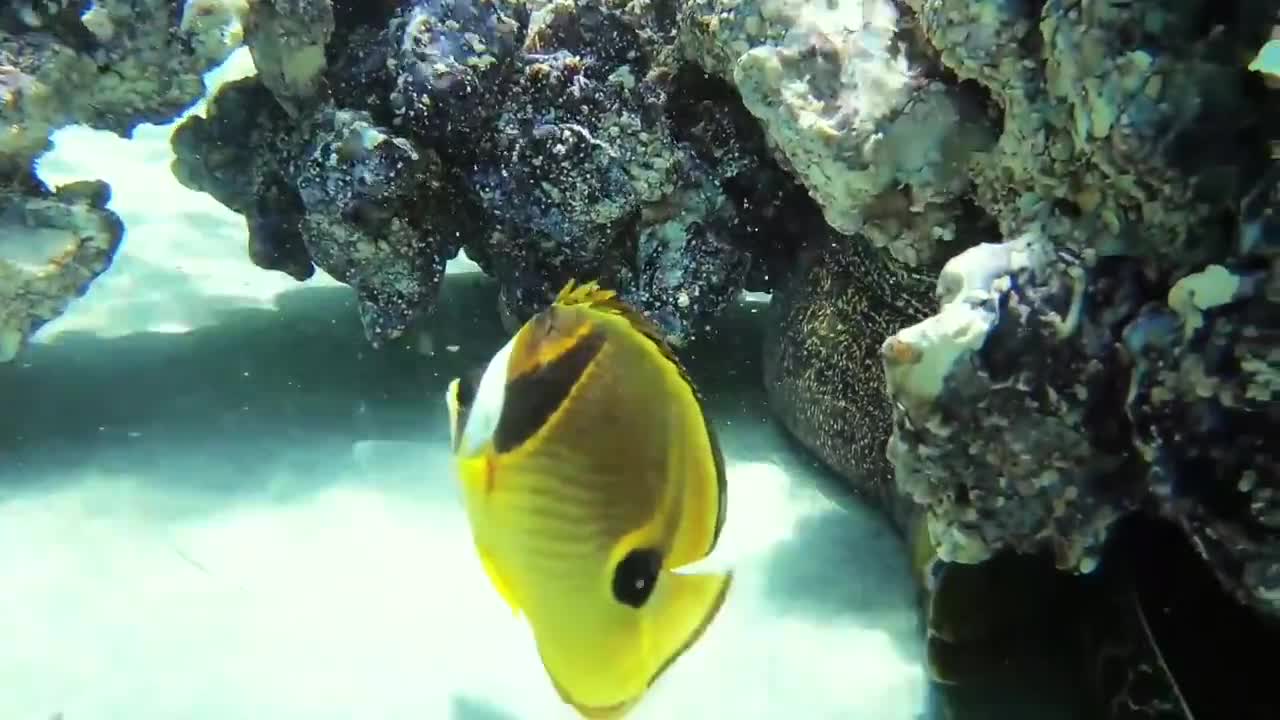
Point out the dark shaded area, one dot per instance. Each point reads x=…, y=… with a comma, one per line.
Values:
x=822, y=361
x=62, y=19
x=1219, y=652
x=134, y=403
x=1149, y=636
x=1004, y=636
x=776, y=213
x=292, y=375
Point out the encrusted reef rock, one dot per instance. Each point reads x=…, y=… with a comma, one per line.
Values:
x=287, y=39
x=1139, y=115
x=337, y=190
x=563, y=142
x=883, y=147
x=900, y=116
x=52, y=245
x=1204, y=403
x=1050, y=397
x=1117, y=353
x=110, y=64
x=1007, y=426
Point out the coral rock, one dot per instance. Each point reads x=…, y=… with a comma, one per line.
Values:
x=287, y=39
x=1005, y=425
x=65, y=63
x=52, y=246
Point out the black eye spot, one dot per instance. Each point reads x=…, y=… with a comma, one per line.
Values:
x=635, y=576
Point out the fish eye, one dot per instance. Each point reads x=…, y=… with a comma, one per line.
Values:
x=635, y=576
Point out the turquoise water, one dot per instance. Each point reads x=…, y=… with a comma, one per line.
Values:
x=220, y=502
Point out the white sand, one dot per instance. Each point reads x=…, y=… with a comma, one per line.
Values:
x=220, y=503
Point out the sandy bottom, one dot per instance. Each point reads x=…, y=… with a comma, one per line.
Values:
x=216, y=501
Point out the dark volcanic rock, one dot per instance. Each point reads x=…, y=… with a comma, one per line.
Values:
x=822, y=368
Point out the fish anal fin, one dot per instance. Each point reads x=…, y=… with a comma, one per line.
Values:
x=612, y=712
x=689, y=604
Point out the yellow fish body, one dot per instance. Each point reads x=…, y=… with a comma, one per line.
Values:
x=590, y=477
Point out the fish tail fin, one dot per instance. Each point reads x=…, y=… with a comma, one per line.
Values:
x=689, y=605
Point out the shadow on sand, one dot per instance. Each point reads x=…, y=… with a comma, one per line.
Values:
x=225, y=400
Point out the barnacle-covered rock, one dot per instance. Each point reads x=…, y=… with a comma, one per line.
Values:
x=1049, y=397
x=1007, y=425
x=822, y=368
x=371, y=208
x=52, y=246
x=553, y=141
x=74, y=61
x=287, y=39
x=1204, y=402
x=241, y=153
x=1137, y=115
x=882, y=148
x=375, y=207
x=586, y=179
x=452, y=60
x=874, y=144
x=110, y=64
x=715, y=33
x=690, y=259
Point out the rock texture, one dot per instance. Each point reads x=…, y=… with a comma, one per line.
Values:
x=1114, y=354
x=822, y=366
x=1049, y=397
x=563, y=139
x=64, y=62
x=52, y=245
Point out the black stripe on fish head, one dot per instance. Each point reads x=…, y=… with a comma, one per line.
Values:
x=532, y=398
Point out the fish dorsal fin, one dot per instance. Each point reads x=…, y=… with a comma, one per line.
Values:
x=596, y=297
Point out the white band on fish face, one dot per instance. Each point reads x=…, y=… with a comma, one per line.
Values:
x=486, y=407
x=451, y=402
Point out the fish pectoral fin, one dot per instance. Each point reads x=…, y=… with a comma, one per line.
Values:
x=499, y=584
x=689, y=604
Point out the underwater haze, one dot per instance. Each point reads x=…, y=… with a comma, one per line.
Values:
x=219, y=502
x=981, y=299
